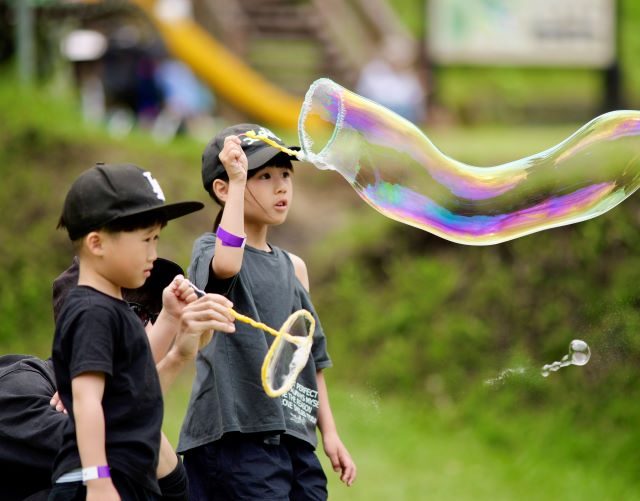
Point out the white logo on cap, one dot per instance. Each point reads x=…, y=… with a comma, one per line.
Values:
x=155, y=185
x=260, y=132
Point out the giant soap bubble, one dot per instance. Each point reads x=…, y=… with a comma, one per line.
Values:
x=396, y=169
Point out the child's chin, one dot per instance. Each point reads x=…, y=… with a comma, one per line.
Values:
x=279, y=221
x=135, y=284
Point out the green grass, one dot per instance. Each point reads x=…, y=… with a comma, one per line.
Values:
x=408, y=449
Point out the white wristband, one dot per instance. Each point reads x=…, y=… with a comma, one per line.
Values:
x=93, y=472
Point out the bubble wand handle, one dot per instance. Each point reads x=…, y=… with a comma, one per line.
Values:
x=259, y=325
x=273, y=144
x=253, y=323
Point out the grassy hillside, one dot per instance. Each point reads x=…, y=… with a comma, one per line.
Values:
x=43, y=147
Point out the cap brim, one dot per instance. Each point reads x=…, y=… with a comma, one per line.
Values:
x=169, y=211
x=262, y=156
x=179, y=209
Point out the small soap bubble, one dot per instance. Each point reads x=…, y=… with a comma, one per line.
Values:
x=579, y=354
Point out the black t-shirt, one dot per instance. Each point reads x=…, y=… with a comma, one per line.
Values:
x=30, y=429
x=98, y=333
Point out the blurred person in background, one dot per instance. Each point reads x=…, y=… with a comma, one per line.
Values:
x=84, y=49
x=391, y=80
x=187, y=105
x=131, y=93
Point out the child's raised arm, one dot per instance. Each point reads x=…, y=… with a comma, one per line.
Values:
x=87, y=390
x=227, y=260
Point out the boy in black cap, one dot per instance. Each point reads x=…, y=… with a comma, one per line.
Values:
x=237, y=442
x=31, y=429
x=104, y=368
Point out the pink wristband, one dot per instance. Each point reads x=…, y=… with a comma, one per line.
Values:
x=229, y=239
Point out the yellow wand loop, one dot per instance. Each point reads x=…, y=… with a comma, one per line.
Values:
x=283, y=362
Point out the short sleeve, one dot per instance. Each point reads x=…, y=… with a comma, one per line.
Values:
x=92, y=342
x=201, y=256
x=200, y=271
x=319, y=348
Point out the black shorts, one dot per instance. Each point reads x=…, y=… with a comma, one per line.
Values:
x=245, y=467
x=128, y=490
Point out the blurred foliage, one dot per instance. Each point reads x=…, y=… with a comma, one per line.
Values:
x=44, y=145
x=464, y=332
x=467, y=329
x=420, y=308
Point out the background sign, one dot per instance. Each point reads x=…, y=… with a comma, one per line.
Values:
x=522, y=32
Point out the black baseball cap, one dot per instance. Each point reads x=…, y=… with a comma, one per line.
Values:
x=258, y=152
x=148, y=295
x=106, y=193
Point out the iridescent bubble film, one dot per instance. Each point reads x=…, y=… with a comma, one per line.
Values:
x=397, y=170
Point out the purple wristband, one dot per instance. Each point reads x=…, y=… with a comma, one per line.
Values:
x=229, y=239
x=94, y=472
x=103, y=472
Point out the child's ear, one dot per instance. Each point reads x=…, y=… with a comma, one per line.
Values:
x=220, y=189
x=93, y=242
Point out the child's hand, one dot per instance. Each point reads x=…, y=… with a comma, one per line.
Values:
x=176, y=296
x=56, y=402
x=234, y=160
x=102, y=489
x=340, y=458
x=199, y=320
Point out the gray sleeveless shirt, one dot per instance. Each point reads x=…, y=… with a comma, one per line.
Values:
x=227, y=394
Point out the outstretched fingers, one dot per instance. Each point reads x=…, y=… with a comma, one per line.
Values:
x=341, y=460
x=347, y=467
x=210, y=312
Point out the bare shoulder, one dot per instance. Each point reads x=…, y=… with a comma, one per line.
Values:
x=301, y=270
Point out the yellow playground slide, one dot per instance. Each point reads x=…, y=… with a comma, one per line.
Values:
x=228, y=77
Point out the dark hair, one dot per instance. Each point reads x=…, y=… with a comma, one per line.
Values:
x=282, y=161
x=129, y=223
